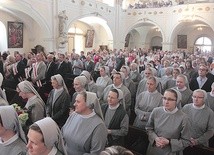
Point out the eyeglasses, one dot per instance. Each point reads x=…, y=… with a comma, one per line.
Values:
x=168, y=99
x=197, y=97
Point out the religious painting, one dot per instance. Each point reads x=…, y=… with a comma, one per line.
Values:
x=182, y=41
x=127, y=40
x=89, y=38
x=15, y=34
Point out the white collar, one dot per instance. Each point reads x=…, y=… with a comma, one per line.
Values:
x=118, y=87
x=154, y=92
x=58, y=90
x=9, y=141
x=32, y=98
x=89, y=115
x=170, y=112
x=115, y=107
x=182, y=89
x=195, y=107
x=53, y=151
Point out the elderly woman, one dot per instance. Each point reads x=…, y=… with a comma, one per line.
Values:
x=35, y=104
x=168, y=127
x=12, y=137
x=103, y=81
x=45, y=138
x=146, y=102
x=79, y=86
x=201, y=118
x=57, y=106
x=84, y=132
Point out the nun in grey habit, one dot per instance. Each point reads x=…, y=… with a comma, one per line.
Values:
x=35, y=104
x=57, y=106
x=52, y=137
x=12, y=140
x=85, y=134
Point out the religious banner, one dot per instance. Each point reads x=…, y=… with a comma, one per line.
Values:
x=15, y=34
x=89, y=38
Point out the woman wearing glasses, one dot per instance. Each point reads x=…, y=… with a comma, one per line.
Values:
x=168, y=127
x=201, y=118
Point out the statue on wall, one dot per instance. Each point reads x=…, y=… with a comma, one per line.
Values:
x=62, y=40
x=62, y=23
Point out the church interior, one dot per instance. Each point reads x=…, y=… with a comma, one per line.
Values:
x=171, y=28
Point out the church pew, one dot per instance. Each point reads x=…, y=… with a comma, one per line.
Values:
x=137, y=142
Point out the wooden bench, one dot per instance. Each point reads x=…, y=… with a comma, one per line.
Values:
x=137, y=142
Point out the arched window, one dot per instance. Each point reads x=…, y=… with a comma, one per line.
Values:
x=3, y=38
x=204, y=44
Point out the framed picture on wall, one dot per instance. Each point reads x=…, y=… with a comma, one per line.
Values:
x=15, y=34
x=89, y=38
x=182, y=41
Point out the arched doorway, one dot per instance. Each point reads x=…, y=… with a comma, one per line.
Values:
x=88, y=33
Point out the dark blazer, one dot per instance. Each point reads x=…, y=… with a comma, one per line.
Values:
x=193, y=85
x=59, y=112
x=21, y=70
x=63, y=70
x=50, y=71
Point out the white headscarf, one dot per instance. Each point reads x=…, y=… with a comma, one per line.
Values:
x=51, y=134
x=60, y=81
x=87, y=75
x=10, y=121
x=27, y=87
x=179, y=97
x=127, y=69
x=2, y=92
x=122, y=75
x=106, y=70
x=120, y=94
x=93, y=103
x=82, y=79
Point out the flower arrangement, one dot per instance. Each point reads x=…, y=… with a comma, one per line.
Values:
x=22, y=113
